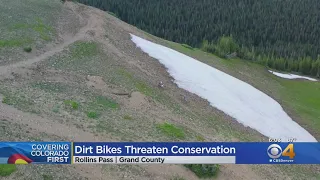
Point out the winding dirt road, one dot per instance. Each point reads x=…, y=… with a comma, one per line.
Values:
x=92, y=24
x=40, y=124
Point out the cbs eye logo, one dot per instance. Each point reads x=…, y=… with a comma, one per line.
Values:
x=275, y=151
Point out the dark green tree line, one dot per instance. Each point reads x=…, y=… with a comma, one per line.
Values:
x=285, y=31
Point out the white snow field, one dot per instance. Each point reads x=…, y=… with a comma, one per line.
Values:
x=291, y=76
x=234, y=97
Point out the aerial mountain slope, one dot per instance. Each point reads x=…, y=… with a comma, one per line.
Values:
x=69, y=89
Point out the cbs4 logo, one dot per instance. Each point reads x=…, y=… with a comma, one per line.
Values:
x=275, y=151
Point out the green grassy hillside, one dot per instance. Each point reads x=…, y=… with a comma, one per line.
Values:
x=85, y=80
x=25, y=28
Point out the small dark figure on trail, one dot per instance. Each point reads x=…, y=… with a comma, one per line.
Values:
x=161, y=85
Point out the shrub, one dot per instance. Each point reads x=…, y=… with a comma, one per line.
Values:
x=127, y=117
x=47, y=177
x=27, y=49
x=7, y=169
x=5, y=100
x=187, y=46
x=92, y=114
x=72, y=104
x=200, y=138
x=204, y=170
x=208, y=47
x=225, y=46
x=105, y=103
x=171, y=131
x=177, y=178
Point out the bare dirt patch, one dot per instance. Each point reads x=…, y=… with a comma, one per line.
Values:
x=96, y=82
x=138, y=101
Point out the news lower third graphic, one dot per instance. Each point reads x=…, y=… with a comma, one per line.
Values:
x=35, y=153
x=159, y=153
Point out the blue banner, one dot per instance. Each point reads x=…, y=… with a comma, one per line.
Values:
x=243, y=152
x=35, y=153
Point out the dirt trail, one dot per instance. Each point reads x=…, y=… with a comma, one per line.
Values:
x=40, y=123
x=90, y=24
x=48, y=125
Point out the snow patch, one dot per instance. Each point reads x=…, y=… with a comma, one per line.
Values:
x=236, y=98
x=291, y=76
